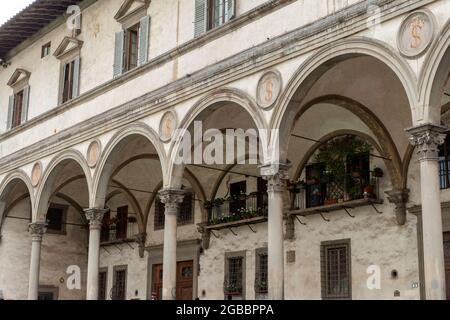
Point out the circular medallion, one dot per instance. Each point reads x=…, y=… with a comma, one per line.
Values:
x=416, y=33
x=269, y=89
x=93, y=153
x=36, y=174
x=167, y=126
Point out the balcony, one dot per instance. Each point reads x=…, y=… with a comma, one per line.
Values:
x=117, y=232
x=237, y=211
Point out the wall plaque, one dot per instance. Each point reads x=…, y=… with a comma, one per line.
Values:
x=416, y=33
x=93, y=153
x=269, y=89
x=36, y=174
x=167, y=126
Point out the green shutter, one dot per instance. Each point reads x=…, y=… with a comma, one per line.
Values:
x=144, y=34
x=118, y=53
x=76, y=78
x=200, y=17
x=10, y=112
x=25, y=104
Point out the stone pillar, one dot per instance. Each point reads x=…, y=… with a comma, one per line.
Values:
x=37, y=230
x=95, y=218
x=276, y=176
x=172, y=199
x=427, y=138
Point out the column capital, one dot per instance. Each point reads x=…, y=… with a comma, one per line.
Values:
x=427, y=138
x=95, y=217
x=276, y=175
x=37, y=230
x=399, y=197
x=172, y=199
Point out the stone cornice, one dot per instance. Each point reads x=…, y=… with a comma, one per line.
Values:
x=270, y=53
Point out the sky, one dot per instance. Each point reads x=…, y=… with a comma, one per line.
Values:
x=10, y=7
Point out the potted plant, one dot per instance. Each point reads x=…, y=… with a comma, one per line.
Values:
x=369, y=190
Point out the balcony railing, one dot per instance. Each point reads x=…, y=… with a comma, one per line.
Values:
x=236, y=208
x=114, y=232
x=322, y=192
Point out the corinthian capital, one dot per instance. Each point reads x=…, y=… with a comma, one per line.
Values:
x=95, y=217
x=427, y=138
x=37, y=230
x=276, y=176
x=172, y=199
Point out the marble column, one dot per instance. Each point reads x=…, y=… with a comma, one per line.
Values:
x=95, y=218
x=427, y=138
x=37, y=230
x=172, y=199
x=276, y=176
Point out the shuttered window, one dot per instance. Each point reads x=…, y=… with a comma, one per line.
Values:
x=71, y=75
x=18, y=108
x=132, y=47
x=210, y=14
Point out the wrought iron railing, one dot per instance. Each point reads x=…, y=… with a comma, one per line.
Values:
x=113, y=232
x=327, y=191
x=236, y=208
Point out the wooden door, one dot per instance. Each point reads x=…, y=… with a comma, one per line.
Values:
x=447, y=262
x=185, y=280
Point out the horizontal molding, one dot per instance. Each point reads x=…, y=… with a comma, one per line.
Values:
x=344, y=23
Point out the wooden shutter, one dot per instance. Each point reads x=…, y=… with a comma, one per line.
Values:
x=118, y=53
x=230, y=7
x=144, y=36
x=201, y=8
x=10, y=112
x=76, y=78
x=25, y=104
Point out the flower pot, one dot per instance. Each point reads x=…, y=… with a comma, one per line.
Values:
x=369, y=192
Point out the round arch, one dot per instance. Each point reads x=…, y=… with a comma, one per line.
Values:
x=322, y=61
x=105, y=168
x=434, y=74
x=228, y=95
x=44, y=192
x=17, y=176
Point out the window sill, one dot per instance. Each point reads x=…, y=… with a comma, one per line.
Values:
x=336, y=207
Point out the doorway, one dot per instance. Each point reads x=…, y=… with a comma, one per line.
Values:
x=185, y=280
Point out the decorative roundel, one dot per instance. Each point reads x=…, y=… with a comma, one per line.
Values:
x=93, y=153
x=416, y=33
x=269, y=89
x=36, y=174
x=167, y=126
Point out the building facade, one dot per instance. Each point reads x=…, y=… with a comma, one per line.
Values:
x=349, y=199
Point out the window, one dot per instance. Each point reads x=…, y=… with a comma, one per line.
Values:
x=48, y=293
x=185, y=216
x=17, y=110
x=210, y=14
x=68, y=91
x=45, y=51
x=131, y=48
x=444, y=164
x=56, y=218
x=119, y=283
x=234, y=276
x=122, y=222
x=102, y=283
x=261, y=273
x=336, y=270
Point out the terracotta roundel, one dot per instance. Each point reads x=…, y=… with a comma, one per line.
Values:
x=167, y=126
x=36, y=174
x=93, y=153
x=269, y=89
x=416, y=33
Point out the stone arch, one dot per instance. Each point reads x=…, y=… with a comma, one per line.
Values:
x=44, y=192
x=105, y=168
x=18, y=176
x=322, y=61
x=434, y=75
x=229, y=95
x=388, y=148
